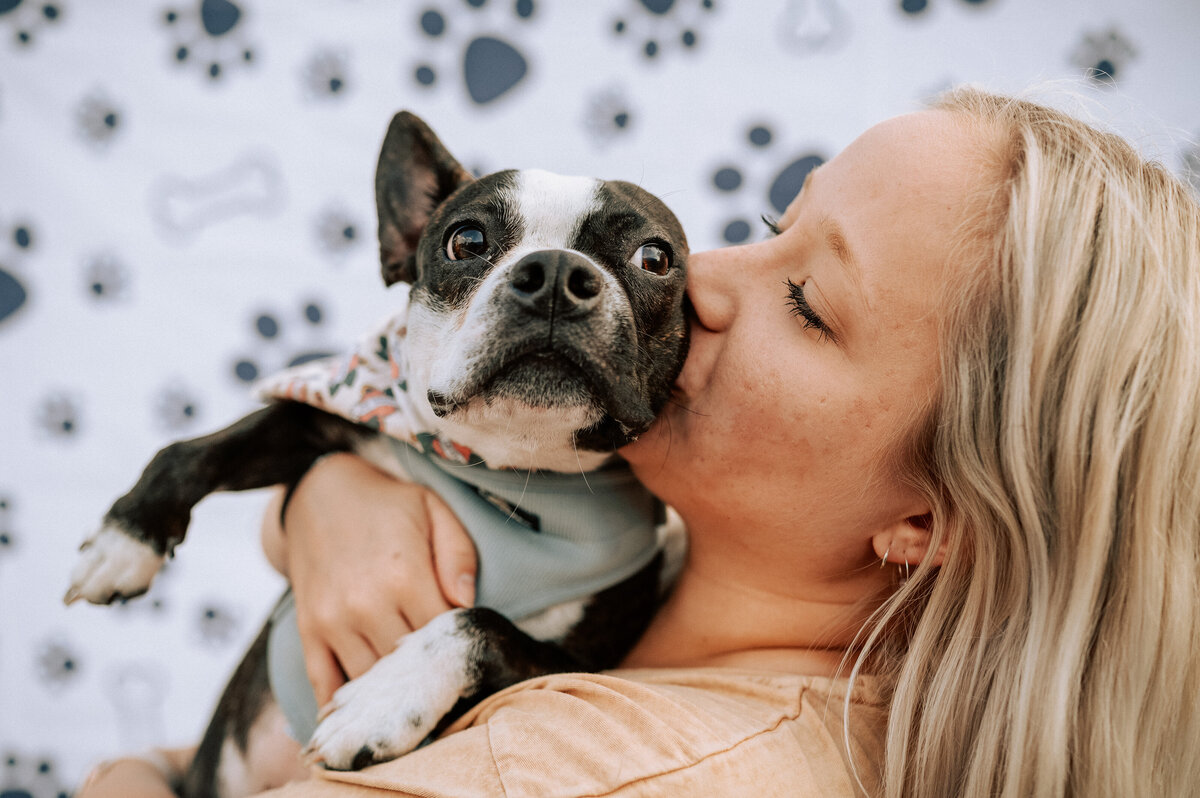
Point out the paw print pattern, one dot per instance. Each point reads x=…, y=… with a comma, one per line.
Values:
x=657, y=26
x=916, y=7
x=326, y=75
x=491, y=66
x=338, y=232
x=98, y=120
x=20, y=240
x=59, y=416
x=8, y=536
x=1103, y=55
x=810, y=26
x=28, y=776
x=272, y=343
x=26, y=20
x=608, y=117
x=105, y=279
x=138, y=693
x=216, y=624
x=176, y=408
x=729, y=180
x=57, y=663
x=208, y=34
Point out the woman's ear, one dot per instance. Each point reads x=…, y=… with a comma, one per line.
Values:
x=907, y=541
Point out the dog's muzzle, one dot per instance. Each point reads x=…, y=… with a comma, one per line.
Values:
x=554, y=283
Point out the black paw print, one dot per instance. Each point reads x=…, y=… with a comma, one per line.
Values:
x=20, y=240
x=59, y=416
x=176, y=408
x=729, y=180
x=491, y=66
x=209, y=34
x=608, y=117
x=57, y=663
x=658, y=25
x=278, y=350
x=98, y=120
x=26, y=776
x=1103, y=55
x=26, y=20
x=105, y=279
x=326, y=75
x=915, y=7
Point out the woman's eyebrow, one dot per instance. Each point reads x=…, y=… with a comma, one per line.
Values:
x=835, y=240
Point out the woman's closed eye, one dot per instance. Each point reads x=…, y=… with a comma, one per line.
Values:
x=801, y=309
x=772, y=225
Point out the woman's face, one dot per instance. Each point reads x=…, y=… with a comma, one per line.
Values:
x=814, y=350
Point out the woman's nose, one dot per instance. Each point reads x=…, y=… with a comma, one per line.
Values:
x=711, y=287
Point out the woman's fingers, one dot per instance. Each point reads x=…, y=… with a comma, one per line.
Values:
x=323, y=671
x=454, y=558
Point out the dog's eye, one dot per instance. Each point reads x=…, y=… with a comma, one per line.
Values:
x=467, y=241
x=653, y=258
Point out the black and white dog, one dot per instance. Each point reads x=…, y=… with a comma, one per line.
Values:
x=542, y=328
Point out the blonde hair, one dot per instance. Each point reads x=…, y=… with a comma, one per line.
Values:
x=1058, y=649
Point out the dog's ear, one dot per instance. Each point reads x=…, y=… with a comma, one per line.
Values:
x=416, y=174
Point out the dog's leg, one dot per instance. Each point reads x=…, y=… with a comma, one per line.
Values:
x=395, y=705
x=460, y=657
x=275, y=445
x=246, y=748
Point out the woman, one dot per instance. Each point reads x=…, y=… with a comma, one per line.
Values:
x=972, y=354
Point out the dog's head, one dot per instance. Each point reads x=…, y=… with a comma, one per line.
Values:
x=546, y=312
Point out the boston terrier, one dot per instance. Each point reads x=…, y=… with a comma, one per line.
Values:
x=539, y=327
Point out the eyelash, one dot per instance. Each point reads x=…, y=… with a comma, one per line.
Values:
x=801, y=309
x=772, y=225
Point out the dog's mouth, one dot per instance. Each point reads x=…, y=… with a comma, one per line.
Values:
x=554, y=377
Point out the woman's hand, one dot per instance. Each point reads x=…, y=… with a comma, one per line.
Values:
x=370, y=559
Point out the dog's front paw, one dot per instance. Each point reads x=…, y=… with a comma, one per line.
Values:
x=112, y=565
x=393, y=707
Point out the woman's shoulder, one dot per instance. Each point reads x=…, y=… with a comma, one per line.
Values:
x=702, y=731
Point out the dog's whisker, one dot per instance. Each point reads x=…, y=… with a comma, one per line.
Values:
x=673, y=401
x=579, y=463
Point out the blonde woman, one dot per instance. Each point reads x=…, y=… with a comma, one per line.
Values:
x=937, y=447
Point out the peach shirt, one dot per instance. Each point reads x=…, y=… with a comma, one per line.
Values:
x=663, y=732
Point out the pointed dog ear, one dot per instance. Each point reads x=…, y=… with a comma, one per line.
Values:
x=415, y=175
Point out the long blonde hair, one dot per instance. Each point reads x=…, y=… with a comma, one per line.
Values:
x=1058, y=649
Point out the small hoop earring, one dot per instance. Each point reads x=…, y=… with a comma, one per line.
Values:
x=906, y=573
x=883, y=564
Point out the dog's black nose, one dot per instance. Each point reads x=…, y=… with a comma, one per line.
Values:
x=554, y=282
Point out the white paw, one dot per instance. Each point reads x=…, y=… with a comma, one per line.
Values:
x=112, y=565
x=395, y=705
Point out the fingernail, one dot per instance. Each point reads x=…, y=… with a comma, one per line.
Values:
x=466, y=590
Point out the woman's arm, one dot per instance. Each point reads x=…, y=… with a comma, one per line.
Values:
x=148, y=776
x=370, y=559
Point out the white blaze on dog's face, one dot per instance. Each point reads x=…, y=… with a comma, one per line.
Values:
x=545, y=325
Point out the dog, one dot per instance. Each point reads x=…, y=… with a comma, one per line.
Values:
x=540, y=327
